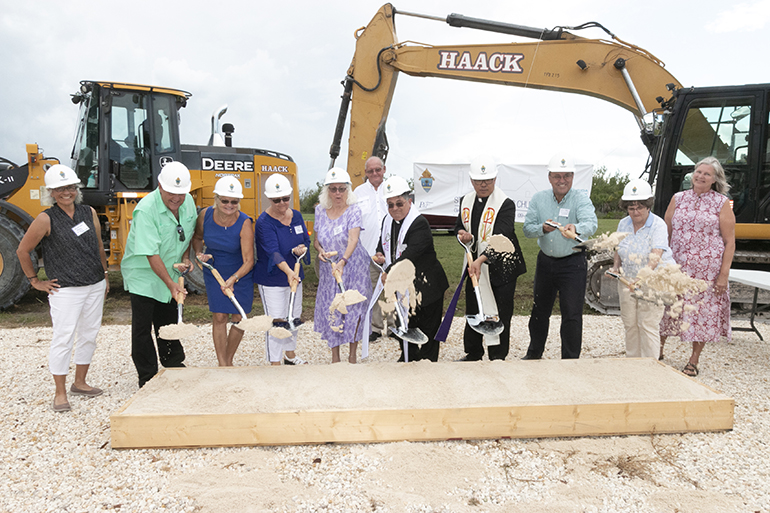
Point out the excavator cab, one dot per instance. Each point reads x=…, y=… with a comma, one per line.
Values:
x=123, y=147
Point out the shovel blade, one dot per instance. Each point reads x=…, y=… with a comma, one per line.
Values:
x=412, y=335
x=488, y=326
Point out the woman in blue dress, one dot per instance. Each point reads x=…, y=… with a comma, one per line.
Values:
x=229, y=247
x=282, y=238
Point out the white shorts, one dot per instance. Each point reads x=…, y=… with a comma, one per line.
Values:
x=76, y=315
x=276, y=303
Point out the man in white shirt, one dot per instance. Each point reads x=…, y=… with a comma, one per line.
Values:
x=373, y=211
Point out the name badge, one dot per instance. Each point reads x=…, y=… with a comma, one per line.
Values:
x=298, y=229
x=563, y=212
x=338, y=230
x=80, y=228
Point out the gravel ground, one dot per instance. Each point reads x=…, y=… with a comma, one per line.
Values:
x=64, y=462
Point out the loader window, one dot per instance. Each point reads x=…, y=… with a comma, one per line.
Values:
x=718, y=128
x=129, y=140
x=86, y=151
x=164, y=114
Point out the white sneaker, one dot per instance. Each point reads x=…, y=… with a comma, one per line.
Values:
x=293, y=361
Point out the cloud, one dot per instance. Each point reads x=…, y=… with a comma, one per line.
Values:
x=743, y=17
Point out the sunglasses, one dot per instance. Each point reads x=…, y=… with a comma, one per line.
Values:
x=341, y=188
x=277, y=201
x=180, y=231
x=229, y=202
x=397, y=204
x=68, y=188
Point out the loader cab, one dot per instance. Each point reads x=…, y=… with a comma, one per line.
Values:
x=125, y=134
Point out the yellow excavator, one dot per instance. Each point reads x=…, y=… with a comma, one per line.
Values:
x=678, y=125
x=125, y=134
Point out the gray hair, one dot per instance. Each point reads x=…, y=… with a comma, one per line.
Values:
x=720, y=185
x=47, y=199
x=326, y=202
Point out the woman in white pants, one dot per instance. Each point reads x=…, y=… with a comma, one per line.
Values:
x=76, y=267
x=645, y=245
x=281, y=237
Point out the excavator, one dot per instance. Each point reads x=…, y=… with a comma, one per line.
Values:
x=678, y=125
x=125, y=134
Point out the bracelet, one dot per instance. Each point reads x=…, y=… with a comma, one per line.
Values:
x=344, y=260
x=236, y=278
x=30, y=278
x=106, y=272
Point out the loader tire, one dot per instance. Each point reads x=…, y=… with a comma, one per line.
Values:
x=13, y=283
x=193, y=280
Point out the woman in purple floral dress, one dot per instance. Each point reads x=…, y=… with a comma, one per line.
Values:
x=337, y=228
x=701, y=226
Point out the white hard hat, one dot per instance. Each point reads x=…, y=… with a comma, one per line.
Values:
x=60, y=175
x=395, y=186
x=229, y=187
x=337, y=175
x=175, y=178
x=277, y=186
x=483, y=168
x=637, y=190
x=561, y=163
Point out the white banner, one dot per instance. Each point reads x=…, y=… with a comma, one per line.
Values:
x=439, y=188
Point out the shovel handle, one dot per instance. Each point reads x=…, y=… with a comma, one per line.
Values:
x=469, y=256
x=218, y=277
x=294, y=282
x=180, y=297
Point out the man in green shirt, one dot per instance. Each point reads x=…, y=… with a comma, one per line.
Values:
x=559, y=269
x=160, y=236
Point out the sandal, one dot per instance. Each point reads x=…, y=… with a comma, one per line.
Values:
x=690, y=370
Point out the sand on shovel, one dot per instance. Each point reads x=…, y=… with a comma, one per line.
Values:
x=665, y=284
x=279, y=332
x=177, y=331
x=343, y=300
x=608, y=241
x=400, y=279
x=257, y=323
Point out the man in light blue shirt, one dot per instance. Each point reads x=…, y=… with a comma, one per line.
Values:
x=560, y=269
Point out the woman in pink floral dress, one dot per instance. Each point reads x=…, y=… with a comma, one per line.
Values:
x=701, y=227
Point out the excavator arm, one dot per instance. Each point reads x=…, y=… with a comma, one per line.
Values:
x=615, y=71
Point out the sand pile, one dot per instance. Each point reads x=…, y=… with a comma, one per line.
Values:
x=177, y=331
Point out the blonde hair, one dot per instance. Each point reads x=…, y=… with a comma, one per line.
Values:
x=720, y=180
x=326, y=202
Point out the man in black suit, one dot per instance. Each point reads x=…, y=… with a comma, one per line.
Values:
x=406, y=235
x=485, y=212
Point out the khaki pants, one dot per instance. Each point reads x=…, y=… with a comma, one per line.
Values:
x=376, y=317
x=642, y=322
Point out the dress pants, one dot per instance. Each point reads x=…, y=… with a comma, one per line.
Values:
x=642, y=322
x=472, y=339
x=567, y=277
x=147, y=313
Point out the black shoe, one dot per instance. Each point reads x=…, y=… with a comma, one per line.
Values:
x=374, y=336
x=528, y=357
x=466, y=358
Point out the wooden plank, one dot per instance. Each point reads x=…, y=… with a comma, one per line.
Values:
x=154, y=417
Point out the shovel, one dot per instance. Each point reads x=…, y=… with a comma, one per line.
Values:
x=294, y=323
x=402, y=331
x=566, y=233
x=228, y=291
x=486, y=325
x=180, y=296
x=337, y=274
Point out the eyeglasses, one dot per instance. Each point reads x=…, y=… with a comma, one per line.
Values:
x=67, y=188
x=397, y=204
x=180, y=231
x=635, y=209
x=487, y=181
x=341, y=188
x=229, y=202
x=558, y=177
x=277, y=201
x=373, y=170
